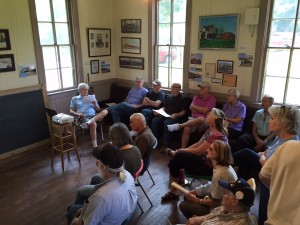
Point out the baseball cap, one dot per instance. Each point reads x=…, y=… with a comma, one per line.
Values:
x=110, y=155
x=204, y=84
x=241, y=189
x=156, y=82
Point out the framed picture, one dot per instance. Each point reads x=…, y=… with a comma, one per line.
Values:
x=218, y=32
x=131, y=62
x=224, y=66
x=94, y=66
x=4, y=40
x=99, y=42
x=131, y=25
x=131, y=45
x=229, y=80
x=7, y=63
x=210, y=70
x=216, y=80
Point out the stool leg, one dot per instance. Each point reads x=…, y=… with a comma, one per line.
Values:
x=75, y=144
x=61, y=149
x=53, y=144
x=101, y=132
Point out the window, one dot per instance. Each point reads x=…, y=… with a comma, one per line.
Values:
x=282, y=73
x=56, y=43
x=170, y=40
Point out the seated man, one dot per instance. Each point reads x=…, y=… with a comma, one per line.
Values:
x=86, y=112
x=132, y=102
x=113, y=201
x=260, y=132
x=144, y=138
x=154, y=99
x=235, y=207
x=176, y=106
x=200, y=107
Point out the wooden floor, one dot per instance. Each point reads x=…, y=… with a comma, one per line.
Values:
x=34, y=193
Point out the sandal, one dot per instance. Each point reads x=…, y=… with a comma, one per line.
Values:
x=169, y=196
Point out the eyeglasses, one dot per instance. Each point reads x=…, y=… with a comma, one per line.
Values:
x=174, y=87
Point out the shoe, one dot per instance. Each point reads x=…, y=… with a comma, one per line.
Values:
x=169, y=196
x=173, y=127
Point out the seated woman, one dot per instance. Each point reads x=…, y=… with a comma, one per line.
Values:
x=284, y=123
x=219, y=154
x=193, y=158
x=120, y=137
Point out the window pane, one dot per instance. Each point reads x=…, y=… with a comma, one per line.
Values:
x=163, y=34
x=163, y=76
x=294, y=71
x=179, y=13
x=49, y=55
x=59, y=10
x=52, y=80
x=46, y=34
x=165, y=55
x=285, y=9
x=67, y=78
x=62, y=33
x=275, y=86
x=43, y=10
x=176, y=76
x=297, y=36
x=177, y=54
x=179, y=34
x=293, y=93
x=281, y=33
x=65, y=56
x=164, y=11
x=277, y=62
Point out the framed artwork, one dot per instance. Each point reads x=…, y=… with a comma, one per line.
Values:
x=99, y=41
x=210, y=70
x=216, y=80
x=224, y=66
x=131, y=25
x=229, y=80
x=7, y=63
x=94, y=66
x=4, y=40
x=131, y=62
x=218, y=32
x=131, y=45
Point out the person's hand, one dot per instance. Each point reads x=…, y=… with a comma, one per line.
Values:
x=259, y=145
x=145, y=101
x=262, y=159
x=195, y=220
x=94, y=103
x=193, y=192
x=191, y=197
x=81, y=115
x=173, y=116
x=78, y=212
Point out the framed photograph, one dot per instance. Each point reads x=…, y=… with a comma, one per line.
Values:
x=7, y=63
x=99, y=42
x=131, y=62
x=224, y=66
x=4, y=40
x=229, y=80
x=131, y=25
x=218, y=32
x=131, y=45
x=94, y=66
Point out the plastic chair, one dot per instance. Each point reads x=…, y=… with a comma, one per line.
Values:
x=147, y=162
x=135, y=176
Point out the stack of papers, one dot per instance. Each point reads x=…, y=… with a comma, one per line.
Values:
x=88, y=99
x=161, y=112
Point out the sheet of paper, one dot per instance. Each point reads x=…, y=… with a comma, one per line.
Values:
x=88, y=99
x=161, y=112
x=110, y=103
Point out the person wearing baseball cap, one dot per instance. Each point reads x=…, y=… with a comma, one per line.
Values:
x=237, y=200
x=115, y=199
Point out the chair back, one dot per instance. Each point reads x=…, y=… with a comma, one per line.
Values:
x=148, y=158
x=137, y=173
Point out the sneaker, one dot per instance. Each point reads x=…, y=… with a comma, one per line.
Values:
x=173, y=127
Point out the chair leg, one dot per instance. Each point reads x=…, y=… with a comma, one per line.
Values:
x=101, y=132
x=144, y=192
x=150, y=177
x=140, y=206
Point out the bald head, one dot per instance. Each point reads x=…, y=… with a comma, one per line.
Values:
x=137, y=122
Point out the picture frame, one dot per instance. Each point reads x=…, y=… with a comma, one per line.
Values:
x=131, y=62
x=99, y=41
x=131, y=45
x=225, y=66
x=218, y=32
x=229, y=80
x=216, y=80
x=94, y=66
x=7, y=63
x=4, y=40
x=131, y=25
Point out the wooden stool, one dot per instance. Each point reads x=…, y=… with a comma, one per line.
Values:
x=63, y=140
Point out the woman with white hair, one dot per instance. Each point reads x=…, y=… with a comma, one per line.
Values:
x=235, y=112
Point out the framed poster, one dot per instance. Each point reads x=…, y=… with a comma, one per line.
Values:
x=94, y=66
x=4, y=40
x=218, y=32
x=7, y=63
x=229, y=80
x=99, y=41
x=225, y=66
x=131, y=62
x=131, y=25
x=131, y=45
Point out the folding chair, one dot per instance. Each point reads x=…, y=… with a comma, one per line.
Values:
x=147, y=161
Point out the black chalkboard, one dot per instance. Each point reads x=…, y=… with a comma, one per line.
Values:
x=23, y=120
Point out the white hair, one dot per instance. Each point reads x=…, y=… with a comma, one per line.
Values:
x=121, y=173
x=83, y=86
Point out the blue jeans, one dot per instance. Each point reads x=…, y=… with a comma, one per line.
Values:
x=263, y=204
x=148, y=114
x=156, y=124
x=117, y=111
x=72, y=211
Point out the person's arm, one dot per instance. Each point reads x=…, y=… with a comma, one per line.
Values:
x=259, y=142
x=264, y=180
x=240, y=115
x=196, y=220
x=233, y=120
x=199, y=109
x=179, y=114
x=149, y=102
x=74, y=113
x=198, y=148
